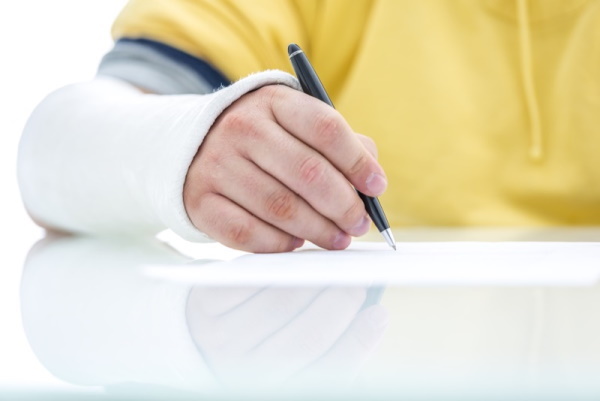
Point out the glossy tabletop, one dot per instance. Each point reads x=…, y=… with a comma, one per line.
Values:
x=454, y=314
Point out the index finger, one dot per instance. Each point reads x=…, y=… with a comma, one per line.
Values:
x=324, y=129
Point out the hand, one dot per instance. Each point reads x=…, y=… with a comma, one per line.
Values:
x=278, y=167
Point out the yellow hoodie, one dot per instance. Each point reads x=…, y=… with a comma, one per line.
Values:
x=485, y=112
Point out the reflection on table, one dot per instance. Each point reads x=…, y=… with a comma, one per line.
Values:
x=94, y=319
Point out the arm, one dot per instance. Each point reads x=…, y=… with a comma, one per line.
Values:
x=103, y=157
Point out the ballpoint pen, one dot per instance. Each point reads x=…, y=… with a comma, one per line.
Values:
x=311, y=85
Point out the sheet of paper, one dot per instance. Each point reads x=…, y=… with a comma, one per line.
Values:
x=422, y=263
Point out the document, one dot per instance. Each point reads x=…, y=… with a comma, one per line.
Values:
x=413, y=264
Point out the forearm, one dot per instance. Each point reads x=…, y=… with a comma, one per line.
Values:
x=103, y=157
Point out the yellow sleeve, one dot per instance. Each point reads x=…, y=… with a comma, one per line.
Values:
x=236, y=36
x=240, y=37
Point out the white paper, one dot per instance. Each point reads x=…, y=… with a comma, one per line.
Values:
x=422, y=263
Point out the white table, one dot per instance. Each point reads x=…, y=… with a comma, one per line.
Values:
x=135, y=319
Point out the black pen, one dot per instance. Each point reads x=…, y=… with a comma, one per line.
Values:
x=311, y=85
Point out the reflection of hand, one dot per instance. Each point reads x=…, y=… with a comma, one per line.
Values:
x=276, y=168
x=274, y=335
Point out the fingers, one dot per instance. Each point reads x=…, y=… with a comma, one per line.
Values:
x=269, y=200
x=233, y=226
x=322, y=128
x=322, y=190
x=278, y=167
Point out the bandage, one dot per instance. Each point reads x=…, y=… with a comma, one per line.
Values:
x=103, y=158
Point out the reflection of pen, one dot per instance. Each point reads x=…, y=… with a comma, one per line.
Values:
x=311, y=85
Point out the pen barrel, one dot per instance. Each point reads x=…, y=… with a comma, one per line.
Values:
x=308, y=78
x=311, y=85
x=375, y=211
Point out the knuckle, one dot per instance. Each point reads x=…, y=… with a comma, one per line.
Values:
x=327, y=128
x=355, y=211
x=212, y=157
x=192, y=199
x=287, y=244
x=270, y=93
x=359, y=165
x=214, y=168
x=280, y=244
x=197, y=207
x=281, y=205
x=283, y=246
x=312, y=169
x=370, y=145
x=237, y=232
x=366, y=140
x=239, y=123
x=275, y=247
x=233, y=120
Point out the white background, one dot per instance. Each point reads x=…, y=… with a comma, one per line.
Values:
x=44, y=44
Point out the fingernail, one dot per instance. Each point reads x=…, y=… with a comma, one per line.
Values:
x=341, y=241
x=362, y=227
x=376, y=183
x=297, y=242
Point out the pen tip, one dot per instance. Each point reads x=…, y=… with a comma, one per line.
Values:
x=389, y=237
x=293, y=48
